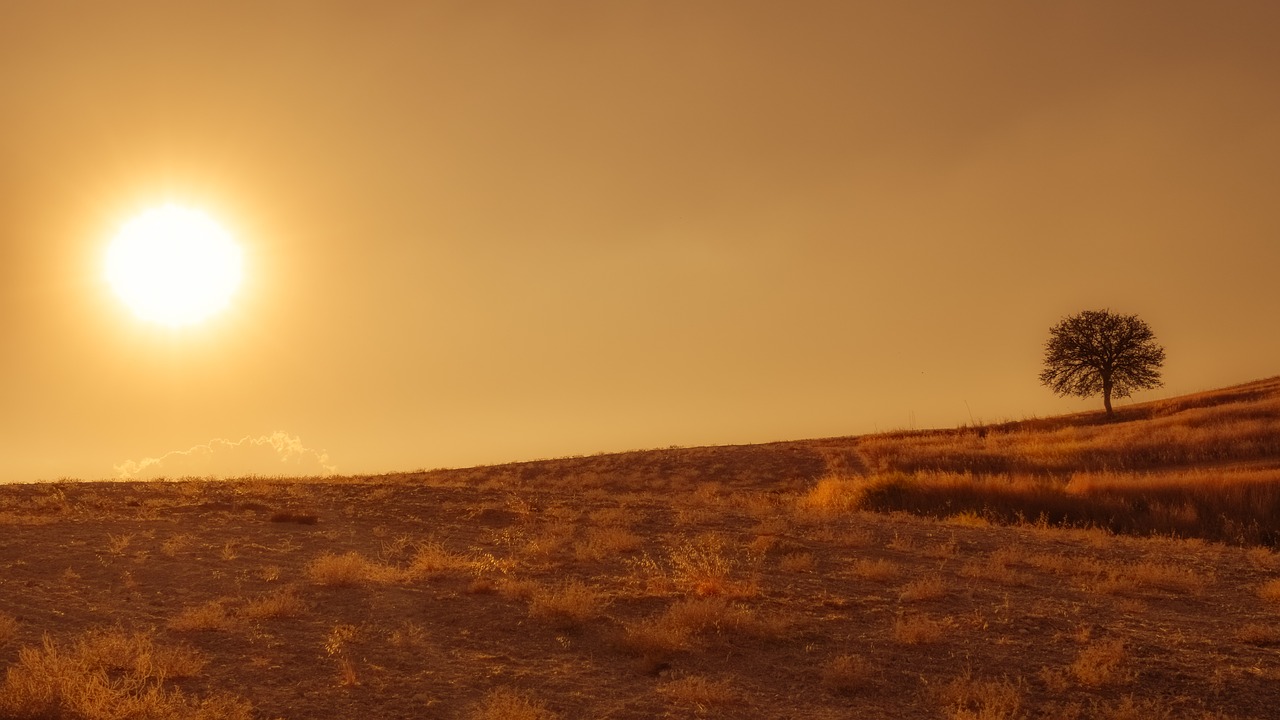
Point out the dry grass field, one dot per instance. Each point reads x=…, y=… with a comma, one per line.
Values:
x=1063, y=568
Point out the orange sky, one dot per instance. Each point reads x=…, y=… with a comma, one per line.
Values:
x=478, y=232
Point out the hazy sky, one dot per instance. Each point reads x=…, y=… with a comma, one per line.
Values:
x=477, y=232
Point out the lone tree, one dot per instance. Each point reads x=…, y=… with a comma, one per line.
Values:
x=1101, y=351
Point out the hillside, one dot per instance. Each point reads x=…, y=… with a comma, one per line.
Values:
x=1033, y=574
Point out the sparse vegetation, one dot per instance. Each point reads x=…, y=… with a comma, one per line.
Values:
x=1060, y=568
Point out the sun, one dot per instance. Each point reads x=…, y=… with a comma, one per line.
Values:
x=174, y=266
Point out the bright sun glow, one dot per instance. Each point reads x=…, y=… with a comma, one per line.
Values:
x=173, y=265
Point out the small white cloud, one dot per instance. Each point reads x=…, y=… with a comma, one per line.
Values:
x=276, y=454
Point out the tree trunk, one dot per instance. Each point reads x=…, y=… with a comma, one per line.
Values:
x=1106, y=397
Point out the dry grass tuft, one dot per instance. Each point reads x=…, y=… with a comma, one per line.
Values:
x=919, y=629
x=1100, y=663
x=966, y=698
x=506, y=704
x=1258, y=634
x=8, y=628
x=212, y=615
x=703, y=568
x=846, y=675
x=701, y=694
x=350, y=568
x=797, y=562
x=605, y=542
x=281, y=603
x=1270, y=591
x=108, y=676
x=1151, y=575
x=876, y=570
x=284, y=516
x=688, y=620
x=433, y=559
x=832, y=495
x=925, y=588
x=568, y=605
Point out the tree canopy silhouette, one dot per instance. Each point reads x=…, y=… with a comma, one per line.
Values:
x=1101, y=351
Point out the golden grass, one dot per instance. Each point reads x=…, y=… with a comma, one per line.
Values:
x=109, y=675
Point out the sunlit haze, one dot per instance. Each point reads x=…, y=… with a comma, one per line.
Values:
x=475, y=233
x=174, y=266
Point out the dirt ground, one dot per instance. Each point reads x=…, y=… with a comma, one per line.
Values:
x=601, y=602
